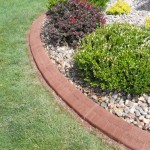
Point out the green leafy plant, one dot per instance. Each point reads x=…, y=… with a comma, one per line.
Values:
x=116, y=57
x=101, y=3
x=120, y=7
x=147, y=21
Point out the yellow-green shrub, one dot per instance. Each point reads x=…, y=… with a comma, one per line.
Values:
x=120, y=7
x=147, y=22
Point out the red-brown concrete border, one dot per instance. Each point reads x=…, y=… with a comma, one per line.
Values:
x=91, y=112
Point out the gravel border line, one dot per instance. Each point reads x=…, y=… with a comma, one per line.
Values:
x=114, y=127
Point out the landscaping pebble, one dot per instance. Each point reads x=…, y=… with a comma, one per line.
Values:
x=119, y=112
x=134, y=110
x=104, y=104
x=137, y=113
x=148, y=100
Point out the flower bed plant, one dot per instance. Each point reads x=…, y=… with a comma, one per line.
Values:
x=120, y=7
x=99, y=3
x=116, y=57
x=68, y=22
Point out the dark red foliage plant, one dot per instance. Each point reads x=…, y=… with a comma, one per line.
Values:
x=68, y=22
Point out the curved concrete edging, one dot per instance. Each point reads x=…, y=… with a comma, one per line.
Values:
x=98, y=117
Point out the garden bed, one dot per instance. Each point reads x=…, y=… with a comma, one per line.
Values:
x=133, y=109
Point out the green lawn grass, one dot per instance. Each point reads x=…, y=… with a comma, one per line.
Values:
x=30, y=119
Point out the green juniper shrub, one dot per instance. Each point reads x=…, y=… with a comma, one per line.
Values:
x=116, y=57
x=68, y=22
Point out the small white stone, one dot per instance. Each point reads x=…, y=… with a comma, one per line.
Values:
x=141, y=118
x=119, y=112
x=128, y=120
x=147, y=116
x=145, y=109
x=137, y=113
x=126, y=110
x=135, y=122
x=146, y=120
x=141, y=99
x=132, y=110
x=148, y=100
x=94, y=97
x=103, y=104
x=129, y=103
x=110, y=106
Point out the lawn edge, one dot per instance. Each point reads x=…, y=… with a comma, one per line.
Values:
x=98, y=117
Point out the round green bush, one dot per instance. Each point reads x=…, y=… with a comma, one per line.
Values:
x=116, y=57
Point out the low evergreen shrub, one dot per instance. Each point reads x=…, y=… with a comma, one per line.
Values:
x=116, y=57
x=118, y=8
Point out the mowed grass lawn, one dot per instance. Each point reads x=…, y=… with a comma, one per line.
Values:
x=30, y=118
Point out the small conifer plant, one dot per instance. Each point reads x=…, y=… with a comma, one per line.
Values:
x=118, y=8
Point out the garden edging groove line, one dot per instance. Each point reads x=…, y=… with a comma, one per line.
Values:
x=116, y=128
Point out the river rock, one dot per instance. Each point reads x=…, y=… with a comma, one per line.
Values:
x=137, y=113
x=148, y=100
x=119, y=112
x=103, y=104
x=141, y=99
x=146, y=120
x=94, y=97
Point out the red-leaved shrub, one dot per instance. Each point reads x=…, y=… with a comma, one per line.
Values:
x=68, y=22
